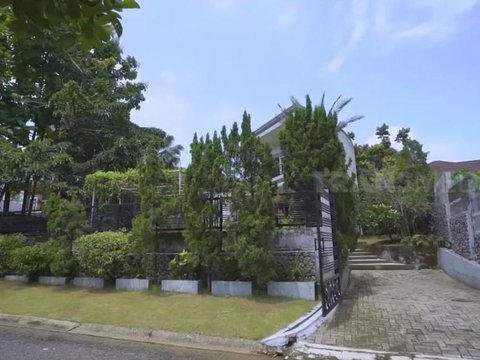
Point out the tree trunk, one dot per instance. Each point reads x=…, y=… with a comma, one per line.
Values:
x=25, y=197
x=32, y=197
x=6, y=200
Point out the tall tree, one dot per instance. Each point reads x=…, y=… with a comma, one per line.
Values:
x=250, y=229
x=204, y=184
x=309, y=144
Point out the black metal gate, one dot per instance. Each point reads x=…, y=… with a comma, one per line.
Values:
x=328, y=251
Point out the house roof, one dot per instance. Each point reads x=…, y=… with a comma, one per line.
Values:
x=451, y=166
x=275, y=120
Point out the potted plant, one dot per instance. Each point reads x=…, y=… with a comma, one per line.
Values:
x=183, y=273
x=298, y=284
x=100, y=256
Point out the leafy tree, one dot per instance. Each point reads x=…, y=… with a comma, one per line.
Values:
x=309, y=144
x=250, y=167
x=401, y=186
x=204, y=183
x=88, y=21
x=151, y=177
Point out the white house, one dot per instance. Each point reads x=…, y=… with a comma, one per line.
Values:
x=269, y=133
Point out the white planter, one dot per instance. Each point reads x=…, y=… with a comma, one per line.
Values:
x=182, y=286
x=19, y=278
x=292, y=289
x=132, y=284
x=91, y=283
x=52, y=280
x=232, y=288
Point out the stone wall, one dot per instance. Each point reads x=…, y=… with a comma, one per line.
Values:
x=300, y=262
x=152, y=266
x=459, y=233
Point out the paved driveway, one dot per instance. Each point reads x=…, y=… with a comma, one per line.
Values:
x=406, y=311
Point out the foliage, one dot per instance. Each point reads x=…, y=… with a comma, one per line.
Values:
x=102, y=254
x=8, y=243
x=111, y=185
x=31, y=260
x=249, y=169
x=296, y=271
x=396, y=182
x=379, y=218
x=310, y=145
x=89, y=22
x=42, y=259
x=183, y=267
x=204, y=182
x=66, y=219
x=151, y=178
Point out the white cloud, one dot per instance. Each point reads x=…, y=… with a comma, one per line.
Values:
x=357, y=24
x=396, y=21
x=427, y=20
x=224, y=6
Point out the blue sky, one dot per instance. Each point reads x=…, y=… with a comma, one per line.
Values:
x=412, y=63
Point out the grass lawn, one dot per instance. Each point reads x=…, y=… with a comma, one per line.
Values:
x=249, y=318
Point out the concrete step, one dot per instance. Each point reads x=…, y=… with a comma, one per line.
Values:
x=367, y=261
x=361, y=253
x=382, y=266
x=361, y=257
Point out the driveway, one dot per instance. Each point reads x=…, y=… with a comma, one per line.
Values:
x=422, y=311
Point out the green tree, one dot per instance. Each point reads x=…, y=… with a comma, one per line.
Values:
x=151, y=178
x=402, y=185
x=310, y=144
x=89, y=22
x=250, y=168
x=204, y=184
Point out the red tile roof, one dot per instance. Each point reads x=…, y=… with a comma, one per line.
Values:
x=442, y=166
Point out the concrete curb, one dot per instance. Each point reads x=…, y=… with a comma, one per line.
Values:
x=326, y=351
x=299, y=329
x=161, y=337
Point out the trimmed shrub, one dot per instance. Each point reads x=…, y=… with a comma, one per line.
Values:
x=33, y=260
x=102, y=254
x=8, y=243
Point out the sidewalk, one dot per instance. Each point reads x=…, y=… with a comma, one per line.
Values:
x=405, y=312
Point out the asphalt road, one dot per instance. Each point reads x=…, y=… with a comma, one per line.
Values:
x=29, y=344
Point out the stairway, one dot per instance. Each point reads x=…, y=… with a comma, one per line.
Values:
x=364, y=260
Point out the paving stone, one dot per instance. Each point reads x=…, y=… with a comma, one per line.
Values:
x=421, y=311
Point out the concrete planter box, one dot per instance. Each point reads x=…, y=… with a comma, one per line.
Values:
x=292, y=289
x=132, y=284
x=92, y=283
x=19, y=278
x=182, y=286
x=232, y=288
x=52, y=280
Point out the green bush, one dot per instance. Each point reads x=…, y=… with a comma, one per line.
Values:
x=102, y=254
x=183, y=267
x=66, y=219
x=62, y=262
x=8, y=243
x=33, y=260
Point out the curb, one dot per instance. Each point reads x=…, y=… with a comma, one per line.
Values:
x=299, y=329
x=161, y=337
x=326, y=351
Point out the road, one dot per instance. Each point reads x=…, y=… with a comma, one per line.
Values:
x=29, y=344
